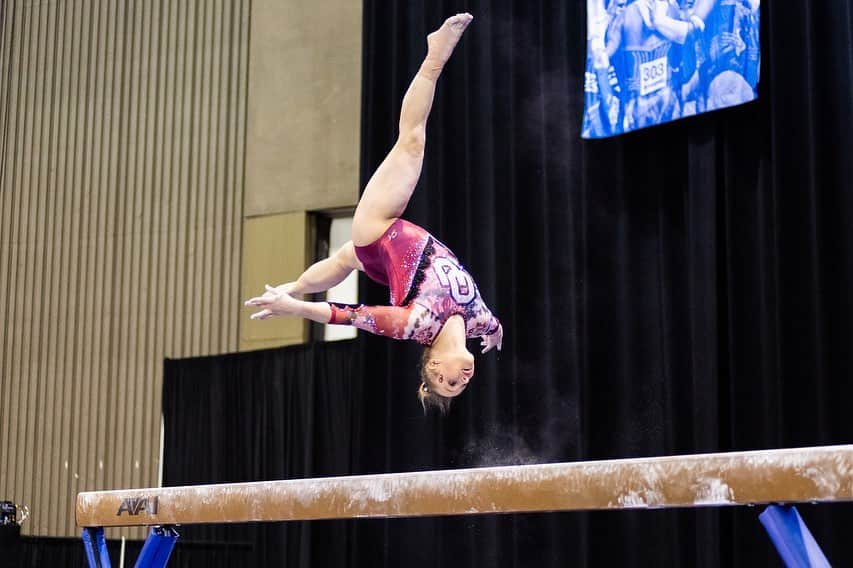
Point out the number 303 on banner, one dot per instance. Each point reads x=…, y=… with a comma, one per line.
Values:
x=653, y=75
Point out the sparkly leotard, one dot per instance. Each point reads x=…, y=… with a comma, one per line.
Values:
x=427, y=283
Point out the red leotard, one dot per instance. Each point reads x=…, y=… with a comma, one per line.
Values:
x=428, y=285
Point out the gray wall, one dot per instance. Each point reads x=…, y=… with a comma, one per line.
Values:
x=304, y=112
x=302, y=145
x=157, y=159
x=122, y=169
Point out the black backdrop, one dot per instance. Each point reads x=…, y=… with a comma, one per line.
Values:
x=677, y=290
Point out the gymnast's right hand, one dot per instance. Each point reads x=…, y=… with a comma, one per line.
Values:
x=287, y=288
x=274, y=302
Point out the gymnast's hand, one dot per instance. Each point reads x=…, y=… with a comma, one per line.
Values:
x=494, y=340
x=644, y=7
x=275, y=302
x=726, y=44
x=653, y=12
x=658, y=10
x=288, y=288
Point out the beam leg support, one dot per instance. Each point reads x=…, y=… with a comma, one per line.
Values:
x=95, y=545
x=158, y=547
x=792, y=538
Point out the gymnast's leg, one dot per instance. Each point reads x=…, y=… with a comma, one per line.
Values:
x=388, y=191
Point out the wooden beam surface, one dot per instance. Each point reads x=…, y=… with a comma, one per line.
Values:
x=704, y=480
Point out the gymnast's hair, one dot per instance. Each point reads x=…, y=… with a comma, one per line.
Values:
x=429, y=399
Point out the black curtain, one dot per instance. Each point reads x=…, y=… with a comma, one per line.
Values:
x=681, y=289
x=677, y=290
x=41, y=552
x=274, y=414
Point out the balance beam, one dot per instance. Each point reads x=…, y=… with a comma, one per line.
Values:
x=705, y=480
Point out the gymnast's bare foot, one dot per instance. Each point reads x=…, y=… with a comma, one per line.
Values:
x=442, y=41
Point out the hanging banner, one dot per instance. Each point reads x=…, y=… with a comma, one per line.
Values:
x=654, y=61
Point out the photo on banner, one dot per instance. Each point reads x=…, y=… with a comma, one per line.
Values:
x=654, y=61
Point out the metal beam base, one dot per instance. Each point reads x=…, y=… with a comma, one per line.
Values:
x=155, y=553
x=158, y=547
x=792, y=538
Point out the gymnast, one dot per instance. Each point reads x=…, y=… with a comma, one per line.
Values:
x=434, y=301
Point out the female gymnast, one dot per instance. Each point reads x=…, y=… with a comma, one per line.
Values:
x=434, y=300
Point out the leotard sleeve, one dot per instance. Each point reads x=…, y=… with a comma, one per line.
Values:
x=493, y=326
x=483, y=323
x=388, y=321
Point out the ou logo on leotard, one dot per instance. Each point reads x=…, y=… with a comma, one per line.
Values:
x=451, y=276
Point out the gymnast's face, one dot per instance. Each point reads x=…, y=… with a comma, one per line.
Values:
x=451, y=372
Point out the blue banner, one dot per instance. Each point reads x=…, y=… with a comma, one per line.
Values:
x=654, y=61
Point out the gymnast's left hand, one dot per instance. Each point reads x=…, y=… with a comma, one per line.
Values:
x=494, y=340
x=273, y=302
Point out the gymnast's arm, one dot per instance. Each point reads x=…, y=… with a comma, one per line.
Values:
x=325, y=274
x=703, y=8
x=668, y=26
x=277, y=302
x=613, y=37
x=389, y=321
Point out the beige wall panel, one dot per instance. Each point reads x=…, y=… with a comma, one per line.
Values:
x=122, y=137
x=304, y=111
x=275, y=250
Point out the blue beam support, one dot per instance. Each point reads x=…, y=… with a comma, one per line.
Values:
x=158, y=547
x=792, y=538
x=92, y=538
x=155, y=553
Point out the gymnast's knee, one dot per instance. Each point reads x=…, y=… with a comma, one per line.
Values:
x=413, y=140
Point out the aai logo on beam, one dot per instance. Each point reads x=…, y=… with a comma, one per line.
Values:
x=135, y=506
